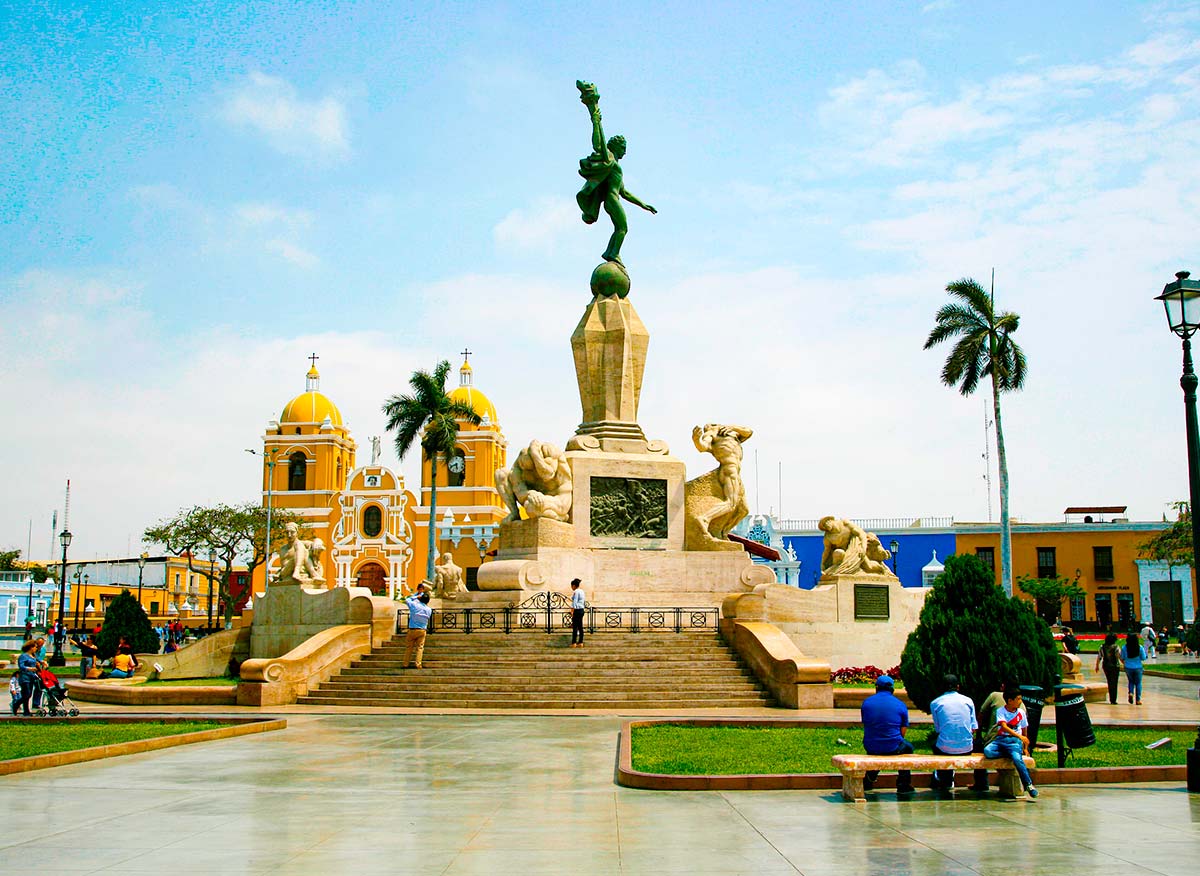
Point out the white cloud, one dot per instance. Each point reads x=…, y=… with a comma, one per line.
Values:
x=539, y=226
x=262, y=213
x=290, y=252
x=272, y=107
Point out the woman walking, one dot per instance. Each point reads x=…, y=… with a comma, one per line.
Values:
x=1109, y=659
x=1132, y=656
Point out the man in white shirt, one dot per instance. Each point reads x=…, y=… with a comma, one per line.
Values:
x=1150, y=640
x=955, y=722
x=578, y=604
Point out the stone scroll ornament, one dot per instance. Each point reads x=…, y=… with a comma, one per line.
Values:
x=851, y=550
x=447, y=578
x=716, y=501
x=604, y=188
x=539, y=482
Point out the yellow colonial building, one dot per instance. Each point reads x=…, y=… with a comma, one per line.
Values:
x=374, y=529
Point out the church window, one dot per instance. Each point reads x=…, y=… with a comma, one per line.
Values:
x=372, y=521
x=297, y=466
x=297, y=430
x=457, y=466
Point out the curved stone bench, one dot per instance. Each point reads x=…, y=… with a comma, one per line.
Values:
x=854, y=768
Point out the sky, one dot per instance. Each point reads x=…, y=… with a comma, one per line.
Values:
x=196, y=196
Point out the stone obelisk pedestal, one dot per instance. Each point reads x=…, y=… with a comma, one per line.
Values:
x=627, y=533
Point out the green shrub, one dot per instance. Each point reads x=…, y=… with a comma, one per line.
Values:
x=125, y=617
x=968, y=627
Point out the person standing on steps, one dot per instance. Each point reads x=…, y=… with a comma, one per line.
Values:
x=419, y=613
x=578, y=604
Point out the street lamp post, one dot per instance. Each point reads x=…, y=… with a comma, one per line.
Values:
x=78, y=591
x=1181, y=300
x=895, y=546
x=269, y=455
x=64, y=538
x=212, y=566
x=85, y=583
x=141, y=569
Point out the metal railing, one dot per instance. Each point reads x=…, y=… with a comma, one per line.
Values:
x=872, y=524
x=551, y=613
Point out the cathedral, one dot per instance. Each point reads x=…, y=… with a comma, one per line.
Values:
x=375, y=531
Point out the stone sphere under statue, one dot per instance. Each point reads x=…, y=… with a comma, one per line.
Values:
x=610, y=278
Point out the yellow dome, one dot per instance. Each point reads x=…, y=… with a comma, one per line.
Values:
x=311, y=407
x=481, y=403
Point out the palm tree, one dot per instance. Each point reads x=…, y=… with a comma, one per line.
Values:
x=428, y=412
x=983, y=348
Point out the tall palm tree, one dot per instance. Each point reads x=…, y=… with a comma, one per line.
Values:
x=430, y=413
x=983, y=348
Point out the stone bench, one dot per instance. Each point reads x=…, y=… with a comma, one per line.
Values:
x=854, y=767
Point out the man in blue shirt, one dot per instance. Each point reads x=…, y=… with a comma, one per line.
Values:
x=885, y=721
x=955, y=723
x=419, y=613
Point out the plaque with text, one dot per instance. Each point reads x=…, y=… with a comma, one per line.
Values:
x=871, y=602
x=629, y=507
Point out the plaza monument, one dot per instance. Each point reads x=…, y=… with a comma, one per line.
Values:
x=612, y=506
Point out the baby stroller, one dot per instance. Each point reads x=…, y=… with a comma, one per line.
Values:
x=56, y=702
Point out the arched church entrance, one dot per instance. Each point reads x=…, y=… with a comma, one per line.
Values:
x=374, y=577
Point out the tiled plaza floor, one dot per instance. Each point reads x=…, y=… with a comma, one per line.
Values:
x=417, y=794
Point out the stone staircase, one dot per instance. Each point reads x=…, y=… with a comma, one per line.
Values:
x=535, y=670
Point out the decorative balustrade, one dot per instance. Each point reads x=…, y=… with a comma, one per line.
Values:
x=551, y=613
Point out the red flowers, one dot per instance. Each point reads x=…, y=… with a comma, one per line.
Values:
x=863, y=674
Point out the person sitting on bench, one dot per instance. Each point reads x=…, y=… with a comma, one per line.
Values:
x=885, y=721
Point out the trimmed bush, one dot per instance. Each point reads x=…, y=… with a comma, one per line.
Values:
x=968, y=627
x=125, y=617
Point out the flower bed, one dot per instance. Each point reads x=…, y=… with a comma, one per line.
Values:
x=863, y=674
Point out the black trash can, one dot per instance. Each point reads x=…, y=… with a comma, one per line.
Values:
x=1034, y=698
x=1071, y=716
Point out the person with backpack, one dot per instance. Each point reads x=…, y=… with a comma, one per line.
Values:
x=1109, y=659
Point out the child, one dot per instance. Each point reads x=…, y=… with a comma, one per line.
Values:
x=1010, y=741
x=14, y=690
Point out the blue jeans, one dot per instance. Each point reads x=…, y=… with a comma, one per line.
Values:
x=119, y=673
x=903, y=777
x=1010, y=747
x=1135, y=682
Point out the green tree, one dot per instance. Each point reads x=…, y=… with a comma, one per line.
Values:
x=1049, y=593
x=234, y=533
x=983, y=348
x=1172, y=545
x=970, y=628
x=125, y=618
x=430, y=413
x=10, y=561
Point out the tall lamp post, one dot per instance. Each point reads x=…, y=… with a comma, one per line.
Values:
x=57, y=658
x=141, y=568
x=268, y=454
x=78, y=592
x=212, y=566
x=895, y=546
x=1181, y=300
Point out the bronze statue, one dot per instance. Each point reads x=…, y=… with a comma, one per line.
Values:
x=605, y=184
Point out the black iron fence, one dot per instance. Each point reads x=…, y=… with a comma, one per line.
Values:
x=551, y=613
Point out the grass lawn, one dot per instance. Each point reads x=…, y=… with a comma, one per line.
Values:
x=1178, y=668
x=682, y=750
x=18, y=739
x=215, y=681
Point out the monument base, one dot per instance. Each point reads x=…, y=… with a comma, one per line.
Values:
x=629, y=577
x=288, y=615
x=823, y=622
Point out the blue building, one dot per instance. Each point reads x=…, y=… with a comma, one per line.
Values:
x=21, y=597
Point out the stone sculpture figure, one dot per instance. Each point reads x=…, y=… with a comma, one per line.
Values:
x=538, y=481
x=605, y=184
x=375, y=450
x=716, y=501
x=300, y=560
x=447, y=578
x=850, y=550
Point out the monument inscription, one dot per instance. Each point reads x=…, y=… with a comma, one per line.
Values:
x=871, y=602
x=629, y=507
